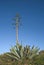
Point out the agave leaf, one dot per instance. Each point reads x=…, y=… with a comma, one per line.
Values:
x=12, y=56
x=21, y=52
x=15, y=52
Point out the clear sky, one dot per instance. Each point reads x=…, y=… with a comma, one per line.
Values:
x=31, y=32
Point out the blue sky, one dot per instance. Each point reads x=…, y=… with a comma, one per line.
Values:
x=32, y=18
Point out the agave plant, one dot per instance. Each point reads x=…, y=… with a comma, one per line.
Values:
x=29, y=54
x=19, y=52
x=16, y=52
x=33, y=52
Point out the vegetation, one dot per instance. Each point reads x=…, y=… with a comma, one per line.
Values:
x=20, y=55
